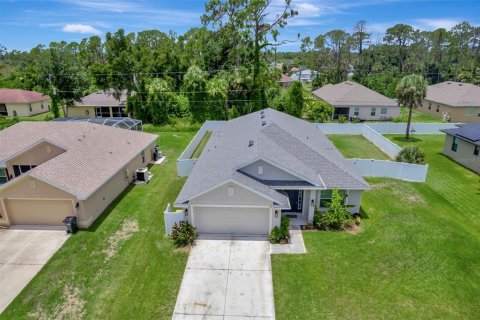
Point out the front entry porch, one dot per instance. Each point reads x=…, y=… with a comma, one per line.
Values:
x=302, y=204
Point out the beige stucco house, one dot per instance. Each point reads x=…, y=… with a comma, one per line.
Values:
x=100, y=104
x=352, y=100
x=50, y=170
x=260, y=166
x=462, y=144
x=23, y=103
x=453, y=101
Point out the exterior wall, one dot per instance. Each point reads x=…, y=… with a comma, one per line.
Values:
x=93, y=207
x=464, y=154
x=81, y=112
x=354, y=198
x=364, y=112
x=23, y=190
x=34, y=156
x=457, y=114
x=23, y=109
x=270, y=172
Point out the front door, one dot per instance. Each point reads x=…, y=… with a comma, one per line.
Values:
x=296, y=200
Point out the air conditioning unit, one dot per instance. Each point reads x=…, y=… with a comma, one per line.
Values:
x=142, y=174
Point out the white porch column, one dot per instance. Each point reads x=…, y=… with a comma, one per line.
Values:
x=311, y=205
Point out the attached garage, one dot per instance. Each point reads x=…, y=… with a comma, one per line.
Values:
x=241, y=221
x=39, y=212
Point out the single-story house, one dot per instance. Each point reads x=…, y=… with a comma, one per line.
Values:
x=23, y=103
x=453, y=101
x=462, y=144
x=285, y=81
x=304, y=76
x=260, y=166
x=353, y=100
x=100, y=104
x=51, y=170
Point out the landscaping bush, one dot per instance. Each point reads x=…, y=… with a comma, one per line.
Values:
x=336, y=217
x=411, y=154
x=183, y=234
x=342, y=119
x=282, y=234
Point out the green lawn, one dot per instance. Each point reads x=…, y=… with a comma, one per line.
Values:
x=201, y=145
x=418, y=116
x=417, y=256
x=140, y=281
x=357, y=146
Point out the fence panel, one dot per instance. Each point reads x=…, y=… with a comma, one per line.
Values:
x=387, y=146
x=172, y=217
x=415, y=128
x=340, y=128
x=390, y=169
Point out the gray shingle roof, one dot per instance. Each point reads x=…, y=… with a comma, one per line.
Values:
x=293, y=144
x=103, y=99
x=454, y=94
x=467, y=131
x=93, y=153
x=350, y=93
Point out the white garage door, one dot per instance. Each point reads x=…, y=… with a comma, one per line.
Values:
x=236, y=221
x=47, y=212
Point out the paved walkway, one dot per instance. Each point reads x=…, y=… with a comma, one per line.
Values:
x=22, y=254
x=295, y=246
x=227, y=279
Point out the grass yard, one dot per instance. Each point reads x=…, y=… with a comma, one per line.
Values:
x=141, y=279
x=198, y=151
x=357, y=146
x=418, y=116
x=417, y=256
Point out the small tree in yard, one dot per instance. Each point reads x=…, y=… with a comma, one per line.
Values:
x=336, y=215
x=410, y=92
x=318, y=110
x=295, y=97
x=411, y=154
x=183, y=234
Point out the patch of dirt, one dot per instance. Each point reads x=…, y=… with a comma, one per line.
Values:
x=183, y=249
x=354, y=229
x=127, y=230
x=73, y=307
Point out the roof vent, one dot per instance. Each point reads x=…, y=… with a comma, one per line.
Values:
x=262, y=112
x=251, y=143
x=264, y=123
x=262, y=116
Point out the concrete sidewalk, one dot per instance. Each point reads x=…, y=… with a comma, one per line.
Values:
x=22, y=254
x=295, y=246
x=227, y=279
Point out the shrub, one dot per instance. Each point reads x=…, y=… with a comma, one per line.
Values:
x=411, y=154
x=355, y=120
x=336, y=217
x=282, y=234
x=183, y=234
x=342, y=119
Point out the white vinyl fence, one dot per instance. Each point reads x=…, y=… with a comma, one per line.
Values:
x=384, y=144
x=415, y=128
x=172, y=217
x=390, y=169
x=184, y=162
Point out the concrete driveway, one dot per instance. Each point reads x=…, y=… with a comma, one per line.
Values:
x=22, y=254
x=227, y=279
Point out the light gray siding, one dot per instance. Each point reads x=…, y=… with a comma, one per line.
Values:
x=270, y=172
x=464, y=154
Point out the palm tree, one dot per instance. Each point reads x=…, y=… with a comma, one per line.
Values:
x=410, y=92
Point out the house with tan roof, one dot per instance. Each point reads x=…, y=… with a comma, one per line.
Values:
x=100, y=104
x=258, y=167
x=453, y=101
x=51, y=170
x=352, y=100
x=23, y=103
x=285, y=81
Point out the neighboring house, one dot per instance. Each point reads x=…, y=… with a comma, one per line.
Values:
x=100, y=104
x=453, y=101
x=23, y=103
x=304, y=76
x=50, y=170
x=257, y=167
x=462, y=144
x=285, y=81
x=351, y=100
x=278, y=65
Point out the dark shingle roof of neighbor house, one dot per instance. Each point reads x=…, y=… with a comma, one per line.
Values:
x=20, y=96
x=454, y=94
x=467, y=131
x=350, y=93
x=288, y=142
x=104, y=98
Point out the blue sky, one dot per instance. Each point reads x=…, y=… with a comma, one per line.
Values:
x=26, y=23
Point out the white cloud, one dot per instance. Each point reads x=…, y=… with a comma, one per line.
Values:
x=433, y=24
x=81, y=28
x=112, y=5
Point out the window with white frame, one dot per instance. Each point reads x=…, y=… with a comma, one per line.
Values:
x=455, y=144
x=18, y=170
x=356, y=111
x=478, y=113
x=384, y=110
x=438, y=108
x=326, y=197
x=373, y=112
x=469, y=112
x=143, y=156
x=3, y=175
x=429, y=106
x=475, y=152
